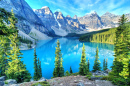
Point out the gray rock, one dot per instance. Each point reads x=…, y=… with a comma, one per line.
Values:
x=80, y=84
x=1, y=83
x=107, y=71
x=31, y=80
x=39, y=85
x=11, y=81
x=11, y=85
x=42, y=79
x=14, y=85
x=103, y=83
x=75, y=81
x=80, y=80
x=2, y=78
x=95, y=78
x=87, y=83
x=6, y=85
x=61, y=84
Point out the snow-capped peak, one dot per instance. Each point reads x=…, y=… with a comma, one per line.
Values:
x=44, y=7
x=92, y=12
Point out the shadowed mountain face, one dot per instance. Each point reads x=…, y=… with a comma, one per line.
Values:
x=27, y=19
x=44, y=22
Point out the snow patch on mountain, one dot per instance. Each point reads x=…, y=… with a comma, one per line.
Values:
x=57, y=20
x=59, y=32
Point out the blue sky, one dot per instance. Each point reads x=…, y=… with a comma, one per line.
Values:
x=81, y=7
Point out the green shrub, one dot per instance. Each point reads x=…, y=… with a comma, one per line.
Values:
x=89, y=75
x=67, y=73
x=75, y=74
x=45, y=83
x=25, y=40
x=6, y=82
x=117, y=80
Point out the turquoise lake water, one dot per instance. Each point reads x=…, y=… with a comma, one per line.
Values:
x=71, y=49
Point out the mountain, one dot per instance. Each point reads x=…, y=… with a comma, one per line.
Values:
x=43, y=23
x=27, y=19
x=94, y=21
x=110, y=20
x=91, y=21
x=57, y=22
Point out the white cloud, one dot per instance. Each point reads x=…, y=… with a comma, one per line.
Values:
x=58, y=10
x=121, y=11
x=76, y=47
x=92, y=11
x=109, y=5
x=46, y=63
x=90, y=5
x=97, y=1
x=79, y=7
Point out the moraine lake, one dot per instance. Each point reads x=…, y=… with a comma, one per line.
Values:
x=71, y=49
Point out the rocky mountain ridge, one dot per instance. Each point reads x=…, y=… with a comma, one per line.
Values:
x=89, y=21
x=57, y=22
x=43, y=22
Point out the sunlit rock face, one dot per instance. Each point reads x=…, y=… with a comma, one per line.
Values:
x=128, y=16
x=91, y=20
x=27, y=19
x=110, y=20
x=47, y=17
x=107, y=20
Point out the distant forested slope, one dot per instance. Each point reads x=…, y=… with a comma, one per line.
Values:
x=101, y=36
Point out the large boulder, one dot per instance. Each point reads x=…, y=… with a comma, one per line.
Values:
x=42, y=79
x=11, y=85
x=14, y=85
x=11, y=81
x=95, y=78
x=80, y=84
x=2, y=78
x=1, y=83
x=107, y=71
x=101, y=73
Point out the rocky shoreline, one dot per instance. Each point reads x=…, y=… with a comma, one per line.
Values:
x=74, y=80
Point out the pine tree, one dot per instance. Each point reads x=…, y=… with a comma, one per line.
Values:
x=104, y=64
x=88, y=65
x=71, y=70
x=122, y=49
x=96, y=62
x=4, y=51
x=67, y=73
x=4, y=41
x=83, y=69
x=58, y=70
x=16, y=69
x=36, y=77
x=39, y=69
x=4, y=48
